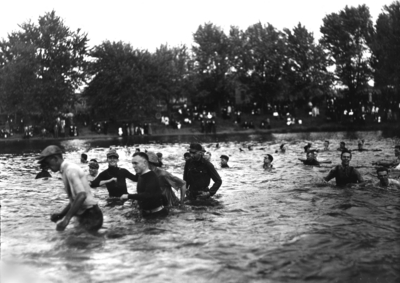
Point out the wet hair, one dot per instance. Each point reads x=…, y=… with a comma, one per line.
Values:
x=84, y=156
x=345, y=151
x=224, y=157
x=327, y=141
x=381, y=169
x=270, y=157
x=343, y=143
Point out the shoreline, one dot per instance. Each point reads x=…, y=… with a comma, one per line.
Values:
x=186, y=131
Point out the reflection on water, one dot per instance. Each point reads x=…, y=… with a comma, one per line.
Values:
x=263, y=226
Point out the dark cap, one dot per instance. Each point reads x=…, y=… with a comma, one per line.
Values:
x=93, y=165
x=49, y=151
x=195, y=147
x=112, y=152
x=152, y=157
x=224, y=157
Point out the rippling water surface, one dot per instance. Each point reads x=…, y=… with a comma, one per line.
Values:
x=282, y=225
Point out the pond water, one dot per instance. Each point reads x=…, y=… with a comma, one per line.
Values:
x=283, y=225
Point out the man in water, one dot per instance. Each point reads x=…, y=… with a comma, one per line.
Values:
x=282, y=148
x=268, y=161
x=393, y=163
x=384, y=181
x=84, y=158
x=160, y=157
x=198, y=173
x=224, y=161
x=82, y=204
x=114, y=177
x=307, y=147
x=310, y=159
x=361, y=148
x=344, y=173
x=44, y=173
x=149, y=195
x=342, y=146
x=93, y=170
x=167, y=181
x=326, y=145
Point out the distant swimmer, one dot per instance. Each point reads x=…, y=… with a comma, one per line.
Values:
x=316, y=152
x=326, y=145
x=224, y=161
x=392, y=163
x=160, y=157
x=198, y=173
x=217, y=145
x=167, y=181
x=114, y=177
x=342, y=146
x=344, y=173
x=82, y=204
x=207, y=156
x=84, y=158
x=148, y=191
x=310, y=159
x=307, y=147
x=361, y=147
x=241, y=150
x=44, y=173
x=384, y=181
x=282, y=149
x=268, y=161
x=250, y=147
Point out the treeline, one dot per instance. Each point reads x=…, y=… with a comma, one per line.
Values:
x=43, y=66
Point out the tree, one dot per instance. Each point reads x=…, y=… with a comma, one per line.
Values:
x=386, y=49
x=54, y=60
x=307, y=73
x=345, y=37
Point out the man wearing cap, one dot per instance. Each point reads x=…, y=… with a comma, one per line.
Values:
x=198, y=173
x=149, y=196
x=167, y=181
x=224, y=161
x=114, y=177
x=82, y=204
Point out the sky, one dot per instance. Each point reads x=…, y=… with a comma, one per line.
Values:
x=148, y=24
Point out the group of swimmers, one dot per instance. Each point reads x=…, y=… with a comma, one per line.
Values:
x=154, y=184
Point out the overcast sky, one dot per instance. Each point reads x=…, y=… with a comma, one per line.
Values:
x=148, y=24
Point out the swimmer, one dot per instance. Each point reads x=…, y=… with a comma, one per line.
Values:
x=114, y=177
x=342, y=146
x=344, y=173
x=310, y=159
x=44, y=173
x=316, y=152
x=282, y=148
x=82, y=204
x=84, y=158
x=93, y=170
x=326, y=145
x=384, y=181
x=393, y=163
x=268, y=161
x=149, y=195
x=160, y=157
x=360, y=147
x=307, y=147
x=224, y=161
x=198, y=173
x=167, y=182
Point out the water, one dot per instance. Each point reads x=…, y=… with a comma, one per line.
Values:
x=282, y=225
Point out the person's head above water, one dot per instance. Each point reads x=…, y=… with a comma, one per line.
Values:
x=346, y=157
x=383, y=175
x=207, y=156
x=196, y=151
x=51, y=157
x=93, y=167
x=112, y=158
x=84, y=158
x=140, y=162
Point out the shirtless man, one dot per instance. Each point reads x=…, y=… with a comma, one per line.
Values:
x=384, y=181
x=82, y=204
x=344, y=173
x=311, y=160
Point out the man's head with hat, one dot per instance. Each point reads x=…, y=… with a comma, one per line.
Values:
x=112, y=158
x=224, y=160
x=51, y=157
x=196, y=151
